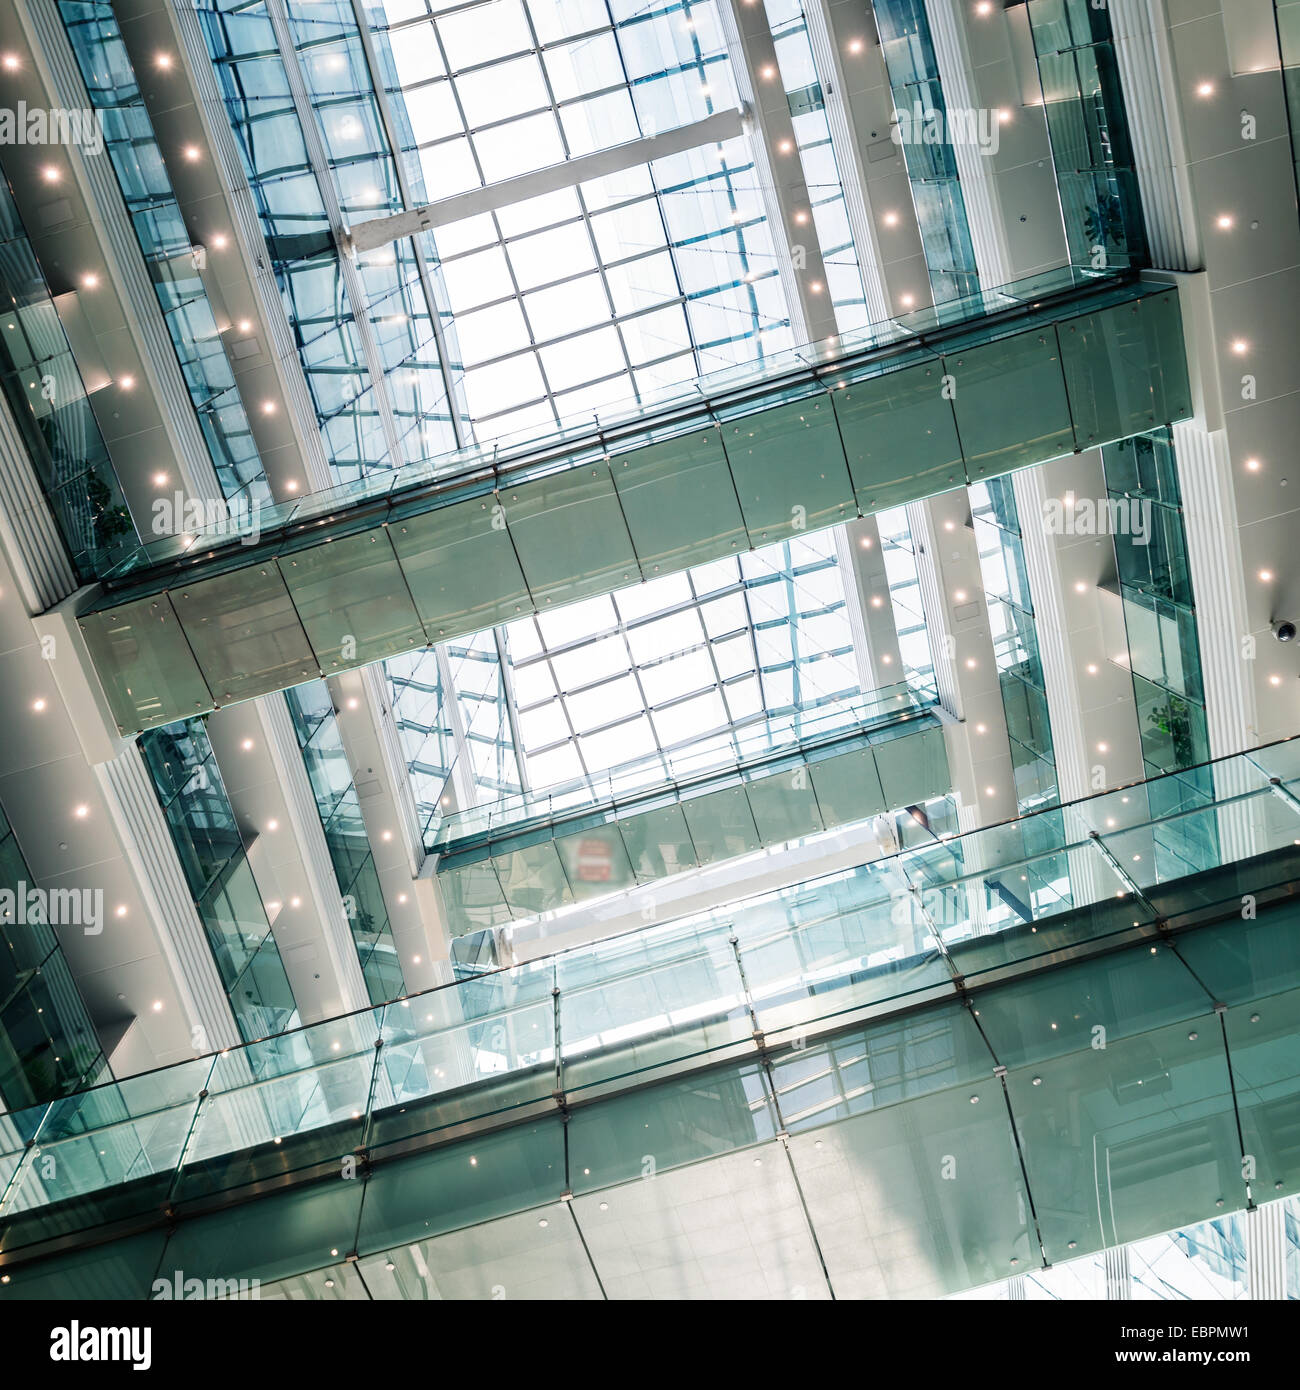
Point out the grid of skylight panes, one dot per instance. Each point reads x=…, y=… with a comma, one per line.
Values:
x=898, y=551
x=682, y=660
x=614, y=287
x=352, y=323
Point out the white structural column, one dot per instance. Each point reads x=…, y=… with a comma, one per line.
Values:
x=1079, y=621
x=878, y=195
x=847, y=58
x=866, y=592
x=990, y=83
x=271, y=795
x=952, y=593
x=1209, y=126
x=778, y=170
x=165, y=46
x=1119, y=1277
x=1144, y=56
x=990, y=90
x=1266, y=1246
x=383, y=787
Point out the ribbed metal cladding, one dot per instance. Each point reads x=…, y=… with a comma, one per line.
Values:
x=130, y=275
x=974, y=172
x=36, y=544
x=1069, y=744
x=129, y=792
x=1119, y=1281
x=248, y=227
x=1151, y=98
x=309, y=835
x=1210, y=521
x=1266, y=1247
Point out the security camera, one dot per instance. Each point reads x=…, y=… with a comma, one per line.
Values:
x=1284, y=631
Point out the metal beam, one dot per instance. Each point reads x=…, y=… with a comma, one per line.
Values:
x=380, y=231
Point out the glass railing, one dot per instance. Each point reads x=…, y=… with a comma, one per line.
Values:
x=635, y=422
x=955, y=918
x=674, y=772
x=769, y=456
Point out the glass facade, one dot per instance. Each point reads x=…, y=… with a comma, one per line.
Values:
x=48, y=401
x=817, y=157
x=312, y=711
x=173, y=261
x=1088, y=128
x=48, y=1046
x=1015, y=641
x=919, y=113
x=212, y=855
x=1014, y=1141
x=429, y=563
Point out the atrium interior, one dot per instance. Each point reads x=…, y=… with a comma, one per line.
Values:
x=649, y=649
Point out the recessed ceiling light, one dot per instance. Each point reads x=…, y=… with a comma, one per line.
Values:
x=163, y=61
x=81, y=812
x=191, y=152
x=90, y=280
x=10, y=62
x=50, y=174
x=39, y=706
x=273, y=825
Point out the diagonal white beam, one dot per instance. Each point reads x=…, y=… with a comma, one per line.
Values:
x=380, y=231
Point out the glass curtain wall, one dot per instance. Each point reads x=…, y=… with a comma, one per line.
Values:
x=47, y=398
x=314, y=721
x=48, y=1045
x=1159, y=612
x=1015, y=641
x=913, y=72
x=193, y=798
x=1088, y=129
x=173, y=262
x=364, y=332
